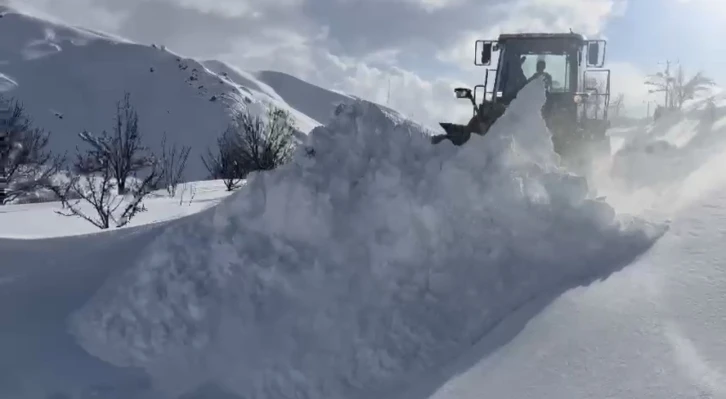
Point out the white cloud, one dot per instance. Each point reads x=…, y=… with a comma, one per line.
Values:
x=422, y=47
x=435, y=5
x=78, y=12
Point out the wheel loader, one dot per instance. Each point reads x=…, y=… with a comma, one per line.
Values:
x=577, y=89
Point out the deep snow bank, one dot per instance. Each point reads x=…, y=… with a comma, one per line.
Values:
x=371, y=260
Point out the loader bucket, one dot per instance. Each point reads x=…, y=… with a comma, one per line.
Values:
x=456, y=133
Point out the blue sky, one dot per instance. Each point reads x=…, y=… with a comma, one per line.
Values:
x=652, y=31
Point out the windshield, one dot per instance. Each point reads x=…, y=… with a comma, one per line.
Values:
x=520, y=61
x=556, y=65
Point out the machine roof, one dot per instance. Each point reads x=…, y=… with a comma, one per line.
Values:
x=508, y=36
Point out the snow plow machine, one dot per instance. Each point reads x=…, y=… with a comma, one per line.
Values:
x=577, y=90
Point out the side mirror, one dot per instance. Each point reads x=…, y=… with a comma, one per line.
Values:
x=593, y=53
x=486, y=54
x=462, y=92
x=483, y=52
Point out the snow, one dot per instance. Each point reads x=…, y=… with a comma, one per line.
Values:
x=41, y=220
x=655, y=160
x=307, y=94
x=375, y=265
x=654, y=330
x=364, y=265
x=69, y=80
x=44, y=281
x=297, y=93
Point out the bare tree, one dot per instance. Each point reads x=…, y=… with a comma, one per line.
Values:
x=251, y=144
x=189, y=188
x=686, y=88
x=265, y=146
x=617, y=105
x=26, y=163
x=662, y=82
x=93, y=188
x=223, y=163
x=121, y=149
x=102, y=172
x=93, y=183
x=677, y=87
x=173, y=163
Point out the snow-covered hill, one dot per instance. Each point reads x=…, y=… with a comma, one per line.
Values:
x=298, y=92
x=303, y=97
x=69, y=79
x=308, y=95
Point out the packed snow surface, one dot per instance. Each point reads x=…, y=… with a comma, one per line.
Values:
x=42, y=220
x=654, y=330
x=363, y=266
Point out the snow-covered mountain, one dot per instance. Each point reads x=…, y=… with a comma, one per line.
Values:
x=69, y=80
x=298, y=92
x=280, y=88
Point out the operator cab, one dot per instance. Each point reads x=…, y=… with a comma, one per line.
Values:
x=573, y=85
x=519, y=56
x=563, y=55
x=577, y=88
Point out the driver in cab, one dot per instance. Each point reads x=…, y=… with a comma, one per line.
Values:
x=541, y=66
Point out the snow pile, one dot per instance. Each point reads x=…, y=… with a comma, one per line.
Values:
x=366, y=264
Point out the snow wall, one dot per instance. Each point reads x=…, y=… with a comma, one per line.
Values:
x=369, y=262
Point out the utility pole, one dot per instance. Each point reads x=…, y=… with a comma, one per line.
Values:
x=388, y=96
x=668, y=84
x=670, y=95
